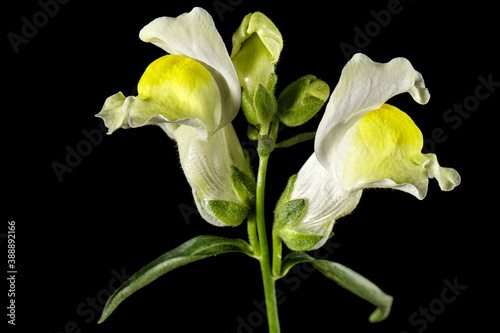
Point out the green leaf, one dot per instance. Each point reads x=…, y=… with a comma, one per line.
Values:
x=198, y=248
x=265, y=105
x=348, y=279
x=358, y=285
x=296, y=139
x=292, y=259
x=229, y=212
x=243, y=185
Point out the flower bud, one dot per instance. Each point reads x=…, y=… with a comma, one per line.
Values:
x=257, y=45
x=301, y=100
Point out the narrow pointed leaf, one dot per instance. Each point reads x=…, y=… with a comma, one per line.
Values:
x=296, y=139
x=292, y=259
x=358, y=285
x=348, y=279
x=193, y=250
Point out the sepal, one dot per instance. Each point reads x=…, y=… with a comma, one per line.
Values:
x=265, y=105
x=244, y=186
x=285, y=196
x=271, y=85
x=247, y=106
x=287, y=213
x=297, y=241
x=231, y=213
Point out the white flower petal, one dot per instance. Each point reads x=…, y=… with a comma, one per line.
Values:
x=383, y=150
x=113, y=113
x=325, y=200
x=194, y=35
x=207, y=166
x=447, y=178
x=363, y=86
x=143, y=113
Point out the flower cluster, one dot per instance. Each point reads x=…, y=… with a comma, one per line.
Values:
x=195, y=91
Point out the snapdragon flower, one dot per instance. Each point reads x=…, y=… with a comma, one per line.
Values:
x=193, y=94
x=361, y=143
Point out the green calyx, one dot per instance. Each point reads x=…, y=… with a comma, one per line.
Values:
x=286, y=214
x=260, y=105
x=244, y=186
x=229, y=212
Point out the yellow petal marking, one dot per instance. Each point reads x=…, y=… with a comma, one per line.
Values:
x=385, y=143
x=180, y=87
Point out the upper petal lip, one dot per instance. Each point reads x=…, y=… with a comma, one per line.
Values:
x=194, y=35
x=364, y=86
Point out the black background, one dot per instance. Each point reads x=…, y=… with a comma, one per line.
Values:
x=127, y=201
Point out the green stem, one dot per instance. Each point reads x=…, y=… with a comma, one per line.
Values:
x=277, y=249
x=252, y=233
x=265, y=262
